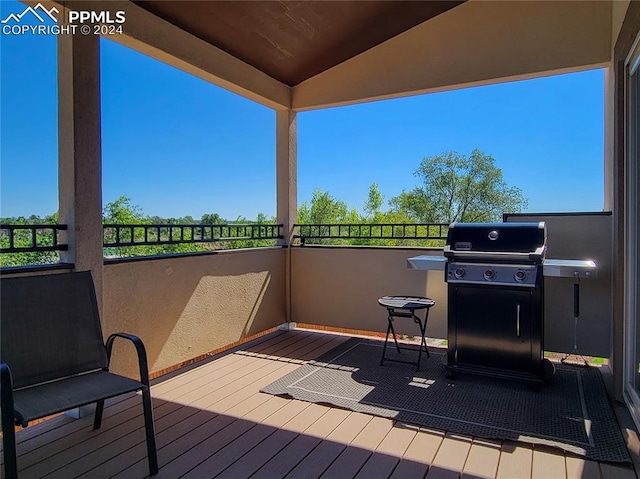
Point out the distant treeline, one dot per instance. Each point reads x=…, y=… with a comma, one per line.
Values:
x=452, y=187
x=123, y=212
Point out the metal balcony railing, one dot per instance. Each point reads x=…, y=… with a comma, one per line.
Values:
x=322, y=233
x=119, y=235
x=31, y=238
x=40, y=238
x=41, y=241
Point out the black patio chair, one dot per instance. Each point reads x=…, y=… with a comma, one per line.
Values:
x=52, y=357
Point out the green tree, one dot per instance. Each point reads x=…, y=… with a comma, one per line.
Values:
x=261, y=219
x=374, y=202
x=264, y=219
x=325, y=209
x=121, y=211
x=212, y=219
x=456, y=187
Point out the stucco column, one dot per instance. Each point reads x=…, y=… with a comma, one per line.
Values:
x=286, y=170
x=80, y=152
x=287, y=188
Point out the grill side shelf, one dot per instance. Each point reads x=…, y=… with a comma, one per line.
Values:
x=570, y=268
x=427, y=263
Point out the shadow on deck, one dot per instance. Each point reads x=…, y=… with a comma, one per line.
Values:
x=212, y=421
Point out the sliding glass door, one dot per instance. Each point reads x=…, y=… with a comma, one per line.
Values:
x=632, y=232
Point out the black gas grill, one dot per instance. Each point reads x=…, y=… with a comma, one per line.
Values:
x=495, y=282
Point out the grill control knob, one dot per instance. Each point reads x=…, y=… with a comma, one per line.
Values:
x=459, y=273
x=520, y=276
x=489, y=274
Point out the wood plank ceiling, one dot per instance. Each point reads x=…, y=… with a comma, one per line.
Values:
x=294, y=40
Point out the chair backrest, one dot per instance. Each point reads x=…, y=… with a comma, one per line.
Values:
x=50, y=327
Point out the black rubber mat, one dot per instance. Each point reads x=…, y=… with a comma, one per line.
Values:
x=571, y=412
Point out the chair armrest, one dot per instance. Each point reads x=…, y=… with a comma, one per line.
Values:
x=9, y=415
x=142, y=353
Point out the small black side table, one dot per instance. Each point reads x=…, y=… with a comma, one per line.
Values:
x=406, y=307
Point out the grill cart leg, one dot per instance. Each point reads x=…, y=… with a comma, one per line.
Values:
x=576, y=315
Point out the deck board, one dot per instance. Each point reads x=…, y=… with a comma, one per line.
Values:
x=350, y=427
x=318, y=460
x=266, y=409
x=348, y=463
x=424, y=447
x=580, y=468
x=199, y=453
x=408, y=469
x=288, y=458
x=302, y=422
x=40, y=435
x=260, y=373
x=388, y=455
x=168, y=429
x=259, y=455
x=548, y=462
x=611, y=471
x=378, y=466
x=373, y=433
x=451, y=457
x=328, y=423
x=515, y=460
x=232, y=452
x=223, y=365
x=98, y=448
x=482, y=461
x=297, y=451
x=212, y=421
x=285, y=412
x=67, y=449
x=397, y=441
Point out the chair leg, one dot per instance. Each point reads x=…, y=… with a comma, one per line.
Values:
x=97, y=419
x=421, y=343
x=9, y=447
x=393, y=333
x=8, y=426
x=384, y=348
x=424, y=332
x=152, y=453
x=426, y=350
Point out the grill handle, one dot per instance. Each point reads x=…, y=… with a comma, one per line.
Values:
x=518, y=319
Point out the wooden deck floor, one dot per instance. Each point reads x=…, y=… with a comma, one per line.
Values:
x=212, y=421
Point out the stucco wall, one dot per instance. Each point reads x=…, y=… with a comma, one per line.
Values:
x=183, y=307
x=340, y=287
x=578, y=236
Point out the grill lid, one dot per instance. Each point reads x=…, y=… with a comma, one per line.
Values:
x=496, y=240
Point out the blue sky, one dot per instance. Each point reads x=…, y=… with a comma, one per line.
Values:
x=179, y=146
